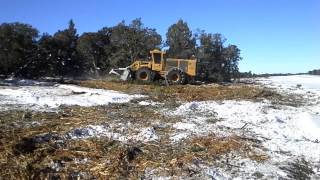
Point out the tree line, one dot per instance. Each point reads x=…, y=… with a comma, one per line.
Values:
x=25, y=53
x=314, y=72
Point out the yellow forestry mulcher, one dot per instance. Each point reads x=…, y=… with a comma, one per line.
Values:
x=158, y=66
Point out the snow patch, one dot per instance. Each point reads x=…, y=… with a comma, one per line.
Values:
x=306, y=85
x=94, y=131
x=45, y=98
x=179, y=136
x=286, y=132
x=149, y=103
x=97, y=131
x=184, y=126
x=146, y=135
x=288, y=129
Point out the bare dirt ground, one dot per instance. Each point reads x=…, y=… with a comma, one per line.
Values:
x=148, y=137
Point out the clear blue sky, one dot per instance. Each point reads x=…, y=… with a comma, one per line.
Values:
x=273, y=35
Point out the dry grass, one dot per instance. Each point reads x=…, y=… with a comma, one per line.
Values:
x=188, y=92
x=23, y=157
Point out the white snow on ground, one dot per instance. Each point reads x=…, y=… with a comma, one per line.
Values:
x=149, y=103
x=286, y=132
x=289, y=129
x=306, y=85
x=51, y=97
x=97, y=131
x=146, y=135
x=94, y=131
x=296, y=83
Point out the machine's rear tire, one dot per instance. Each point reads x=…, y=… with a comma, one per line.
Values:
x=176, y=76
x=144, y=75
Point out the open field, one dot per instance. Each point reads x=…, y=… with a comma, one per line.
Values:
x=269, y=129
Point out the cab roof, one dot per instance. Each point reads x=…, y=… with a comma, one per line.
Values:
x=157, y=51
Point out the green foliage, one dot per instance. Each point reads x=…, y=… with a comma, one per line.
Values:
x=91, y=49
x=231, y=57
x=41, y=62
x=247, y=74
x=67, y=59
x=219, y=63
x=55, y=55
x=65, y=53
x=180, y=40
x=117, y=46
x=314, y=72
x=132, y=41
x=17, y=43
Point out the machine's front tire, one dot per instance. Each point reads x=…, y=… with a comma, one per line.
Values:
x=144, y=75
x=176, y=76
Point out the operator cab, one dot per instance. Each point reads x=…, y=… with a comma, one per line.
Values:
x=158, y=60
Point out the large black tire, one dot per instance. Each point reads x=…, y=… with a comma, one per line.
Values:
x=176, y=76
x=144, y=75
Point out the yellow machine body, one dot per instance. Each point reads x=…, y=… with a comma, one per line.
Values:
x=161, y=65
x=175, y=71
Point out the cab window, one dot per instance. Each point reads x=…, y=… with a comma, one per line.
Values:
x=157, y=58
